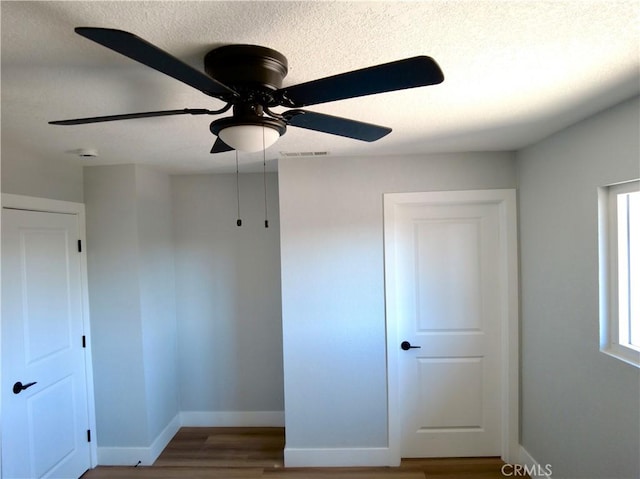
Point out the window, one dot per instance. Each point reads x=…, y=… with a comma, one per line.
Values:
x=620, y=271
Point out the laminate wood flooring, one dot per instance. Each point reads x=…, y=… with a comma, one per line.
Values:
x=249, y=453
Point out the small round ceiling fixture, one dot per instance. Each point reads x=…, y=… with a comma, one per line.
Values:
x=87, y=152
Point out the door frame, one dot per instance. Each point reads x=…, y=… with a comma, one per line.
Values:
x=45, y=205
x=509, y=306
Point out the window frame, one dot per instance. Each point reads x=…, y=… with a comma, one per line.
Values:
x=609, y=245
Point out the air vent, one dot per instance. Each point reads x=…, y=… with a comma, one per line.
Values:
x=84, y=152
x=303, y=153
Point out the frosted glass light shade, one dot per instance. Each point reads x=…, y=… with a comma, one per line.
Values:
x=248, y=137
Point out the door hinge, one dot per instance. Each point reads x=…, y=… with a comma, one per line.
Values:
x=84, y=341
x=88, y=435
x=79, y=246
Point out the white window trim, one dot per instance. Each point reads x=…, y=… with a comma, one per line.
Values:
x=608, y=273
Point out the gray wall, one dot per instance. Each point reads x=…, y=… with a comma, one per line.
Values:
x=131, y=294
x=228, y=294
x=24, y=173
x=580, y=407
x=114, y=299
x=156, y=272
x=333, y=285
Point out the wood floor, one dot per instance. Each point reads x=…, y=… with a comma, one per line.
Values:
x=249, y=453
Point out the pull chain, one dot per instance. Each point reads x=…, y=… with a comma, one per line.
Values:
x=238, y=221
x=264, y=176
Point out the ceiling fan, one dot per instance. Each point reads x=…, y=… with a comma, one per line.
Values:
x=248, y=79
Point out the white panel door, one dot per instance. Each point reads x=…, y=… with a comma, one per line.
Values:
x=448, y=308
x=44, y=430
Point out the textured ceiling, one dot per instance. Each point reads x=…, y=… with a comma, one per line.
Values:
x=515, y=72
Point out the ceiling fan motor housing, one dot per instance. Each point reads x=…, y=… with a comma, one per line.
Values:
x=255, y=72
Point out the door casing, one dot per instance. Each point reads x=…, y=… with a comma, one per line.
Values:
x=29, y=203
x=505, y=199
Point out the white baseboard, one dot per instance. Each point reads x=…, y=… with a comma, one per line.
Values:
x=232, y=418
x=164, y=438
x=533, y=468
x=130, y=456
x=344, y=457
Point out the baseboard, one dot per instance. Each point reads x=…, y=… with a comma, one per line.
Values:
x=344, y=457
x=164, y=438
x=145, y=456
x=232, y=418
x=532, y=467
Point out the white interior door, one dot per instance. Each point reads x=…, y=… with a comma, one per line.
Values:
x=44, y=430
x=447, y=276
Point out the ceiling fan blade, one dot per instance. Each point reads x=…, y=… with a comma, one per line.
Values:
x=335, y=125
x=130, y=116
x=398, y=75
x=220, y=147
x=144, y=52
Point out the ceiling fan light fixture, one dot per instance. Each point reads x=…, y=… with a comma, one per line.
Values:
x=248, y=134
x=249, y=138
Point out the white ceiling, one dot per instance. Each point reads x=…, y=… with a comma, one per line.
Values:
x=515, y=72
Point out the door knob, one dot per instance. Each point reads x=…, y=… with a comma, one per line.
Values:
x=19, y=387
x=406, y=346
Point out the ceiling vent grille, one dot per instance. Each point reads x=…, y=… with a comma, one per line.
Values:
x=303, y=153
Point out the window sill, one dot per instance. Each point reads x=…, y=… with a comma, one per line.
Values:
x=626, y=355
